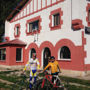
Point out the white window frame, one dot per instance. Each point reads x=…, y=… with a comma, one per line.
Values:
x=5, y=54
x=62, y=59
x=53, y=19
x=17, y=30
x=33, y=29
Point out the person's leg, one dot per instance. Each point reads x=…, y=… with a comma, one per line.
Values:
x=35, y=80
x=31, y=74
x=53, y=77
x=35, y=76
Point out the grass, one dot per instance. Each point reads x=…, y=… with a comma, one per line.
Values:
x=5, y=86
x=75, y=80
x=7, y=72
x=6, y=75
x=72, y=80
x=73, y=87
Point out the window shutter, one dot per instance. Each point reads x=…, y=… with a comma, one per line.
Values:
x=59, y=19
x=30, y=27
x=16, y=31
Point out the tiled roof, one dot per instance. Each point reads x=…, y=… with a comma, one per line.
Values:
x=15, y=42
x=17, y=9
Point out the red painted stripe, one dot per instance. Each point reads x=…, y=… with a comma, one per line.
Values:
x=37, y=5
x=23, y=13
x=33, y=5
x=51, y=2
x=46, y=3
x=41, y=4
x=26, y=11
x=29, y=8
x=13, y=20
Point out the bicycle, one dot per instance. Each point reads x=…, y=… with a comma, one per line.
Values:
x=47, y=84
x=22, y=84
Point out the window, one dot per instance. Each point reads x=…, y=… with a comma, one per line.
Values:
x=17, y=30
x=65, y=53
x=33, y=26
x=18, y=54
x=3, y=54
x=56, y=19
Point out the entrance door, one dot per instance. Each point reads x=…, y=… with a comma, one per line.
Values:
x=46, y=55
x=31, y=52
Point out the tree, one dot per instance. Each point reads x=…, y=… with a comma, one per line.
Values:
x=6, y=7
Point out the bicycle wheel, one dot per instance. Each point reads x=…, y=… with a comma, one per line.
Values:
x=59, y=85
x=20, y=85
x=38, y=86
x=27, y=86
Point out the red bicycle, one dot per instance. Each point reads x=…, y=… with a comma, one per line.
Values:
x=47, y=84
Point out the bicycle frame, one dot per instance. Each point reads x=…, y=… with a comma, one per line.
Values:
x=49, y=78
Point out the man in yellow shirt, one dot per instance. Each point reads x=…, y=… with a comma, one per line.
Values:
x=54, y=66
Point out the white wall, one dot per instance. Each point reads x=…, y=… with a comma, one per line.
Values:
x=87, y=46
x=7, y=28
x=78, y=12
x=64, y=32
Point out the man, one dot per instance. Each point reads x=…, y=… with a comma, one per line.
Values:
x=33, y=65
x=54, y=66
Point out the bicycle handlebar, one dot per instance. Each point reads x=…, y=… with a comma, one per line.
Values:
x=45, y=72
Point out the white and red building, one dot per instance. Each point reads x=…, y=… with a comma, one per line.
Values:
x=57, y=28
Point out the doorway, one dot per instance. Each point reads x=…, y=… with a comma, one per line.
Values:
x=31, y=52
x=46, y=56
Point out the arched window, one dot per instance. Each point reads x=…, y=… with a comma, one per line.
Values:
x=65, y=53
x=31, y=52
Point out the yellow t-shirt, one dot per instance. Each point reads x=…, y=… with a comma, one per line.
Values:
x=54, y=67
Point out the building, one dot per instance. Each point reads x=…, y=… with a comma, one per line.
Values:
x=49, y=27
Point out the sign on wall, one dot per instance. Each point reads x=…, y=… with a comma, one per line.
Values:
x=87, y=30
